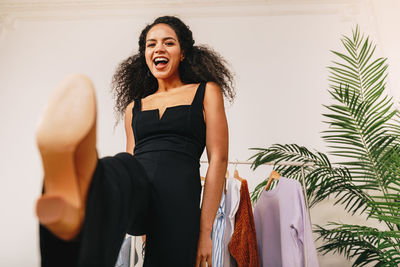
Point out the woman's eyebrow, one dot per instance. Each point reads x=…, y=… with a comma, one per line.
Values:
x=166, y=38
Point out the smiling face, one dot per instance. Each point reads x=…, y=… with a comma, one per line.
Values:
x=163, y=52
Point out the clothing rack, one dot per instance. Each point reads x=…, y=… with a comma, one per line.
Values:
x=286, y=163
x=282, y=163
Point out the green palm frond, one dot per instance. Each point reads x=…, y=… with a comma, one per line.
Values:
x=360, y=125
x=359, y=120
x=322, y=179
x=279, y=153
x=364, y=133
x=365, y=244
x=395, y=126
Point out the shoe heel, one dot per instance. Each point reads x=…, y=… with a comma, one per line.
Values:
x=59, y=216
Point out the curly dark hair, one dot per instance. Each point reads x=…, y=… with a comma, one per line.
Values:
x=133, y=78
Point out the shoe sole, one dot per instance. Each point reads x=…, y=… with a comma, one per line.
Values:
x=68, y=121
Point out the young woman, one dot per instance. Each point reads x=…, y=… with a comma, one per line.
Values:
x=171, y=93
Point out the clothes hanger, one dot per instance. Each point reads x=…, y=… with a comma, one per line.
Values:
x=273, y=176
x=236, y=174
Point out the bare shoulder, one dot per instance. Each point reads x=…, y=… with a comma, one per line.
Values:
x=130, y=106
x=213, y=103
x=213, y=93
x=128, y=110
x=213, y=86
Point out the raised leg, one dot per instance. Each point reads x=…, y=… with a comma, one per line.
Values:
x=89, y=204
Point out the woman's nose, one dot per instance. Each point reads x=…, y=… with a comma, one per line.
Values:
x=159, y=48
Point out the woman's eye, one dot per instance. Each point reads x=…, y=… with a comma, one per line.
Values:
x=169, y=43
x=150, y=45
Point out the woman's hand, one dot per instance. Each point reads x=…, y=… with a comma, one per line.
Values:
x=204, y=250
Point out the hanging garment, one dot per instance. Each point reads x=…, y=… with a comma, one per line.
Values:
x=217, y=234
x=243, y=246
x=232, y=199
x=283, y=227
x=124, y=254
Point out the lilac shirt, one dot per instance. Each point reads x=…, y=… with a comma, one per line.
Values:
x=283, y=227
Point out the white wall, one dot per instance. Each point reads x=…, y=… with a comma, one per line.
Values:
x=278, y=49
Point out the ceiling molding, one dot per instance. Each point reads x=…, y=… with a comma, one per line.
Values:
x=24, y=8
x=12, y=11
x=16, y=4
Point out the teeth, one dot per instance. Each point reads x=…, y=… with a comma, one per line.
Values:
x=159, y=59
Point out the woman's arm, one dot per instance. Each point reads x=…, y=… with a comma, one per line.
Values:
x=130, y=140
x=217, y=142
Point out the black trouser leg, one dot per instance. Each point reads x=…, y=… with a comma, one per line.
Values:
x=118, y=202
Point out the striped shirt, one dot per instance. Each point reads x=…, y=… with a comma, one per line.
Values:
x=217, y=235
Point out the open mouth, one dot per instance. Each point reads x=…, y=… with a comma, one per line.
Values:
x=160, y=62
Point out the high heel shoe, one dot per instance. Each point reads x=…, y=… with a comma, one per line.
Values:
x=66, y=138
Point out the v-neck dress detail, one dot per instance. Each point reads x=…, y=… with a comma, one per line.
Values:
x=169, y=148
x=181, y=128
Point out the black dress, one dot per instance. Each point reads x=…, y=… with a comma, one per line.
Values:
x=154, y=192
x=169, y=148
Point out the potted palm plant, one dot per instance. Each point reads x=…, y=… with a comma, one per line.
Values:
x=364, y=134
